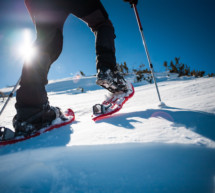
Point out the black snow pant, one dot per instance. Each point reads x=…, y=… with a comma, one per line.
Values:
x=49, y=17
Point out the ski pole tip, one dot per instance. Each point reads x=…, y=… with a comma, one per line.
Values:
x=162, y=104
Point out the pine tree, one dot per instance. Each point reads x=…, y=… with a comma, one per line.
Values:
x=82, y=74
x=165, y=64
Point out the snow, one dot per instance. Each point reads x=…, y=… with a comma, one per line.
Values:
x=146, y=147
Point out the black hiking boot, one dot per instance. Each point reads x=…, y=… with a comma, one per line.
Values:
x=36, y=121
x=112, y=80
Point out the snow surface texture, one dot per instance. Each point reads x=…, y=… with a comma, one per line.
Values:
x=146, y=147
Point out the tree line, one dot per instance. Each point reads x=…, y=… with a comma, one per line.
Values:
x=144, y=74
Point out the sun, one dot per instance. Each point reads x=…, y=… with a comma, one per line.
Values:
x=26, y=49
x=27, y=52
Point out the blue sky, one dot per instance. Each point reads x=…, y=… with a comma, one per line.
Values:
x=179, y=28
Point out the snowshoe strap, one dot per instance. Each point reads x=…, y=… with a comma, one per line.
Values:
x=34, y=117
x=57, y=111
x=101, y=108
x=39, y=114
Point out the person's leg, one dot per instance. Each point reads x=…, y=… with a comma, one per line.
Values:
x=94, y=14
x=31, y=96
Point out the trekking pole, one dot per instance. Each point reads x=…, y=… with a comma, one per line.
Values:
x=10, y=96
x=146, y=49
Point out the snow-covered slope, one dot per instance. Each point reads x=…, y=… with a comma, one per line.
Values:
x=143, y=148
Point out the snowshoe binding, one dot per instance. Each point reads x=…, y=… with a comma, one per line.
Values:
x=113, y=103
x=37, y=121
x=112, y=80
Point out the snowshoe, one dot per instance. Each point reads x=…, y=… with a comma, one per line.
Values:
x=8, y=136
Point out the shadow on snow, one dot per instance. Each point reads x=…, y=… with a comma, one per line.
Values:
x=55, y=138
x=200, y=122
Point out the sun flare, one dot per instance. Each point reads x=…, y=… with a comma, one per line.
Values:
x=27, y=52
x=26, y=49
